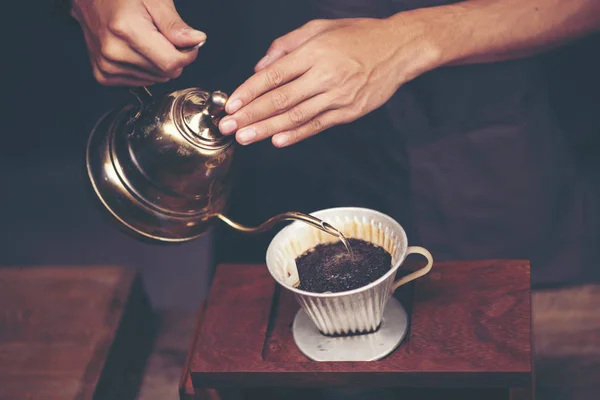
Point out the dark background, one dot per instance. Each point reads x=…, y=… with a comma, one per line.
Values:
x=50, y=102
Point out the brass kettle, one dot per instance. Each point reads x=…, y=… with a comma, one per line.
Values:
x=163, y=171
x=161, y=167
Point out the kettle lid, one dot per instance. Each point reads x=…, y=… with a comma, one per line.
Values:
x=198, y=113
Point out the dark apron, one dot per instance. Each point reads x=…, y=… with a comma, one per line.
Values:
x=470, y=160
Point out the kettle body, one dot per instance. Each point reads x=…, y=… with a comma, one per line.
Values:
x=161, y=169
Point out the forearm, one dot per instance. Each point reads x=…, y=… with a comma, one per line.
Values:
x=480, y=31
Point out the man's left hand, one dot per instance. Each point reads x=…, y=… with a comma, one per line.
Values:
x=324, y=74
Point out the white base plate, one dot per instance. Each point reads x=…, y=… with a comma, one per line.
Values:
x=366, y=347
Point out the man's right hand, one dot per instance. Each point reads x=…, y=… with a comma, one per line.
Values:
x=136, y=42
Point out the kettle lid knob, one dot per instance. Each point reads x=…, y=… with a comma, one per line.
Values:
x=216, y=104
x=201, y=112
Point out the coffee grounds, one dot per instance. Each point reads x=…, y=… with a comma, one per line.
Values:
x=329, y=267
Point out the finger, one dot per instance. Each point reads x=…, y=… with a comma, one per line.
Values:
x=162, y=54
x=119, y=52
x=293, y=118
x=144, y=38
x=291, y=41
x=113, y=76
x=119, y=80
x=270, y=78
x=170, y=24
x=109, y=68
x=310, y=128
x=273, y=103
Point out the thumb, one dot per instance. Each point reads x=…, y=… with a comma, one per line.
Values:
x=170, y=24
x=291, y=41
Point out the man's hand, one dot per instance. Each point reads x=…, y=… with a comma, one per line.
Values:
x=136, y=42
x=332, y=72
x=290, y=42
x=323, y=74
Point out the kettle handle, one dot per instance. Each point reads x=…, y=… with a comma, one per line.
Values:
x=142, y=94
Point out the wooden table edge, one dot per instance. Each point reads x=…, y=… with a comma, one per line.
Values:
x=186, y=388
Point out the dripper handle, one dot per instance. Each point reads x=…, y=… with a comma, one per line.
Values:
x=418, y=273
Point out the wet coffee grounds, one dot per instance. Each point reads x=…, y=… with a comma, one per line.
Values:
x=329, y=267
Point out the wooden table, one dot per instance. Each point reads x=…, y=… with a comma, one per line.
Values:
x=565, y=370
x=72, y=333
x=566, y=326
x=567, y=342
x=470, y=337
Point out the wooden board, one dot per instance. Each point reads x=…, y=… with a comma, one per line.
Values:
x=72, y=333
x=565, y=369
x=471, y=327
x=567, y=342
